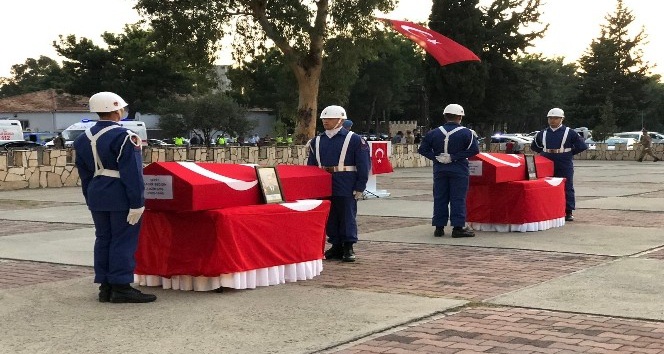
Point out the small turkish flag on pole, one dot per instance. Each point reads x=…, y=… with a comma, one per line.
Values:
x=379, y=159
x=443, y=49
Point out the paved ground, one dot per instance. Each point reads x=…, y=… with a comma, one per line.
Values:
x=592, y=286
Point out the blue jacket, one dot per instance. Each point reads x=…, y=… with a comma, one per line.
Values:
x=116, y=152
x=462, y=145
x=563, y=160
x=343, y=183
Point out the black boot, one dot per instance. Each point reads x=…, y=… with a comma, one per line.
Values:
x=569, y=216
x=459, y=231
x=349, y=254
x=656, y=159
x=104, y=292
x=640, y=160
x=335, y=252
x=123, y=293
x=440, y=231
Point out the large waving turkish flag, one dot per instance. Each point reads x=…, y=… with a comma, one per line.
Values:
x=443, y=49
x=379, y=159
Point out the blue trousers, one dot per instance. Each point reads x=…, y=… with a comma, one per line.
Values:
x=568, y=174
x=115, y=244
x=449, y=190
x=342, y=222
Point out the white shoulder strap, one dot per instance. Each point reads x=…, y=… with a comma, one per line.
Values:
x=562, y=143
x=344, y=149
x=318, y=151
x=447, y=135
x=99, y=168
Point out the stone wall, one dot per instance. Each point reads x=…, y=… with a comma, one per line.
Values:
x=47, y=168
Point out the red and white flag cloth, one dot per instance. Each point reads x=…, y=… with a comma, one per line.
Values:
x=443, y=49
x=380, y=163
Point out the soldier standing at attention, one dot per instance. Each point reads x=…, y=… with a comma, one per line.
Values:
x=346, y=156
x=109, y=162
x=559, y=144
x=449, y=147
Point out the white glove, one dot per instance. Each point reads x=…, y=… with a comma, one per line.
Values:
x=358, y=195
x=444, y=158
x=134, y=215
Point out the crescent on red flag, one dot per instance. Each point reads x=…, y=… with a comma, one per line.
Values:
x=443, y=49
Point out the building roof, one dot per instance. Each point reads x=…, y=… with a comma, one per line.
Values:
x=44, y=101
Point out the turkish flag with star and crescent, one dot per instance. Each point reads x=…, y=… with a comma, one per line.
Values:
x=380, y=163
x=443, y=49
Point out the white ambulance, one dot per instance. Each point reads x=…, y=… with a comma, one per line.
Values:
x=10, y=130
x=73, y=131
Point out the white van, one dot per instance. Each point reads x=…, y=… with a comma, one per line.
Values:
x=73, y=131
x=10, y=130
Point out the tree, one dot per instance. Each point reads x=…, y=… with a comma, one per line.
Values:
x=33, y=75
x=607, y=125
x=379, y=96
x=134, y=64
x=612, y=71
x=206, y=115
x=542, y=84
x=298, y=28
x=497, y=34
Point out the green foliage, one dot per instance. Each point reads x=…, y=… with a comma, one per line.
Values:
x=612, y=71
x=134, y=64
x=607, y=126
x=299, y=29
x=33, y=75
x=497, y=34
x=210, y=115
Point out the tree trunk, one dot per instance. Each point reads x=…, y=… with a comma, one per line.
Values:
x=307, y=108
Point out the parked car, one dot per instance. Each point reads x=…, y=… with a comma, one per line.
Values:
x=503, y=138
x=19, y=145
x=612, y=141
x=656, y=137
x=158, y=142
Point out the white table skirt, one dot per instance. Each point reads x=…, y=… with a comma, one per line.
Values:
x=241, y=280
x=532, y=226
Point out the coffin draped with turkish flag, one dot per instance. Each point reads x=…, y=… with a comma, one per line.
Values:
x=502, y=198
x=209, y=220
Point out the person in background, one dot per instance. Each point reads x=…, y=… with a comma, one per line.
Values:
x=410, y=139
x=646, y=142
x=449, y=147
x=347, y=124
x=396, y=139
x=418, y=137
x=559, y=144
x=59, y=142
x=109, y=162
x=350, y=173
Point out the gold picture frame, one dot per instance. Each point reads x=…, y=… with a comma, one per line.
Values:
x=531, y=167
x=270, y=185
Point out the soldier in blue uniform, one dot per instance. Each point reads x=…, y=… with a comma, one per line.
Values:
x=345, y=155
x=449, y=147
x=559, y=144
x=109, y=162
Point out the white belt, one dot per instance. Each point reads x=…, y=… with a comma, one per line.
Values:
x=557, y=151
x=339, y=168
x=108, y=173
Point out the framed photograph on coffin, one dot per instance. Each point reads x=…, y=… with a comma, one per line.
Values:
x=268, y=180
x=531, y=168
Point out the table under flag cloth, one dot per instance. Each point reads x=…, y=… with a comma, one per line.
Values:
x=517, y=205
x=239, y=247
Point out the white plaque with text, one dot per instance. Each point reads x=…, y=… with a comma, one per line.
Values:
x=158, y=187
x=475, y=167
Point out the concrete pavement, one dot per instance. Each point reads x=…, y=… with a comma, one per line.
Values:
x=408, y=292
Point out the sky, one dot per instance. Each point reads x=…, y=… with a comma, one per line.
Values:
x=31, y=26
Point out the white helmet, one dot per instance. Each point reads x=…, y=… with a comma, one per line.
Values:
x=556, y=112
x=454, y=109
x=333, y=112
x=106, y=102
